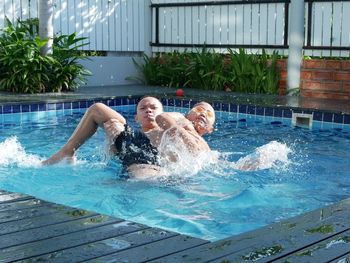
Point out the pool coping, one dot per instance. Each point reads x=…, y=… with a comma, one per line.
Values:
x=278, y=111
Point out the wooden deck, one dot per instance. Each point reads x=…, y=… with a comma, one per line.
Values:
x=33, y=230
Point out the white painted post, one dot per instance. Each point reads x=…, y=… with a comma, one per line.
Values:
x=46, y=24
x=296, y=41
x=147, y=28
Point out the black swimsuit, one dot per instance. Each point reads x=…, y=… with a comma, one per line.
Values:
x=134, y=147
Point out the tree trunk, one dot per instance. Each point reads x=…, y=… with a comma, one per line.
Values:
x=46, y=25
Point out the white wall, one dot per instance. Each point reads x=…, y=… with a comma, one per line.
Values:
x=110, y=70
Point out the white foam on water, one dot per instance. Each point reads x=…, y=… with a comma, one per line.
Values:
x=271, y=155
x=178, y=160
x=12, y=153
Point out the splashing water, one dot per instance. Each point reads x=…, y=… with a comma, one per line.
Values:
x=12, y=153
x=177, y=158
x=270, y=155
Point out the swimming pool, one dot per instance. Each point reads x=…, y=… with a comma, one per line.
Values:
x=303, y=169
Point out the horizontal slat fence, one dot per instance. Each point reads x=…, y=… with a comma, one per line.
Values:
x=110, y=25
x=121, y=25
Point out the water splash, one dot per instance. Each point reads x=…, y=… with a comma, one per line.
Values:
x=270, y=155
x=178, y=160
x=12, y=153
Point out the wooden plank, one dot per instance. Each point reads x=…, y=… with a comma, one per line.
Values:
x=316, y=28
x=255, y=30
x=44, y=232
x=327, y=250
x=106, y=246
x=30, y=212
x=345, y=37
x=136, y=11
x=153, y=251
x=98, y=26
x=342, y=259
x=64, y=17
x=239, y=24
x=13, y=197
x=37, y=248
x=64, y=214
x=273, y=241
x=130, y=23
x=28, y=203
x=336, y=26
x=118, y=25
x=124, y=26
x=85, y=23
x=105, y=24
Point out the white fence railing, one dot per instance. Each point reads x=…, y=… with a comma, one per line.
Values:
x=125, y=25
x=251, y=24
x=110, y=25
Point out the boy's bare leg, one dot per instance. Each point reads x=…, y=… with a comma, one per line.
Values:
x=94, y=117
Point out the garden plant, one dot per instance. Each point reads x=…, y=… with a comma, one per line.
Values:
x=24, y=70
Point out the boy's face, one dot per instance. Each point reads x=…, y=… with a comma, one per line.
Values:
x=147, y=110
x=202, y=115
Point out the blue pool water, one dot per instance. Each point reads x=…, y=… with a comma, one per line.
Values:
x=300, y=170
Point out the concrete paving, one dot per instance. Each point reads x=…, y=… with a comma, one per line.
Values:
x=339, y=106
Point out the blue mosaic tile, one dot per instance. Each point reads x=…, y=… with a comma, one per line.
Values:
x=7, y=109
x=42, y=106
x=89, y=103
x=242, y=108
x=51, y=106
x=118, y=101
x=178, y=103
x=225, y=107
x=278, y=112
x=0, y=109
x=233, y=108
x=338, y=118
x=110, y=103
x=75, y=105
x=287, y=113
x=132, y=101
x=16, y=108
x=67, y=105
x=164, y=101
x=318, y=116
x=124, y=101
x=59, y=106
x=328, y=117
x=251, y=109
x=171, y=102
x=259, y=110
x=34, y=107
x=269, y=112
x=192, y=103
x=217, y=106
x=347, y=119
x=186, y=103
x=25, y=108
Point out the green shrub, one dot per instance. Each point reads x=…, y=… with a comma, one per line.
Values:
x=24, y=70
x=208, y=70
